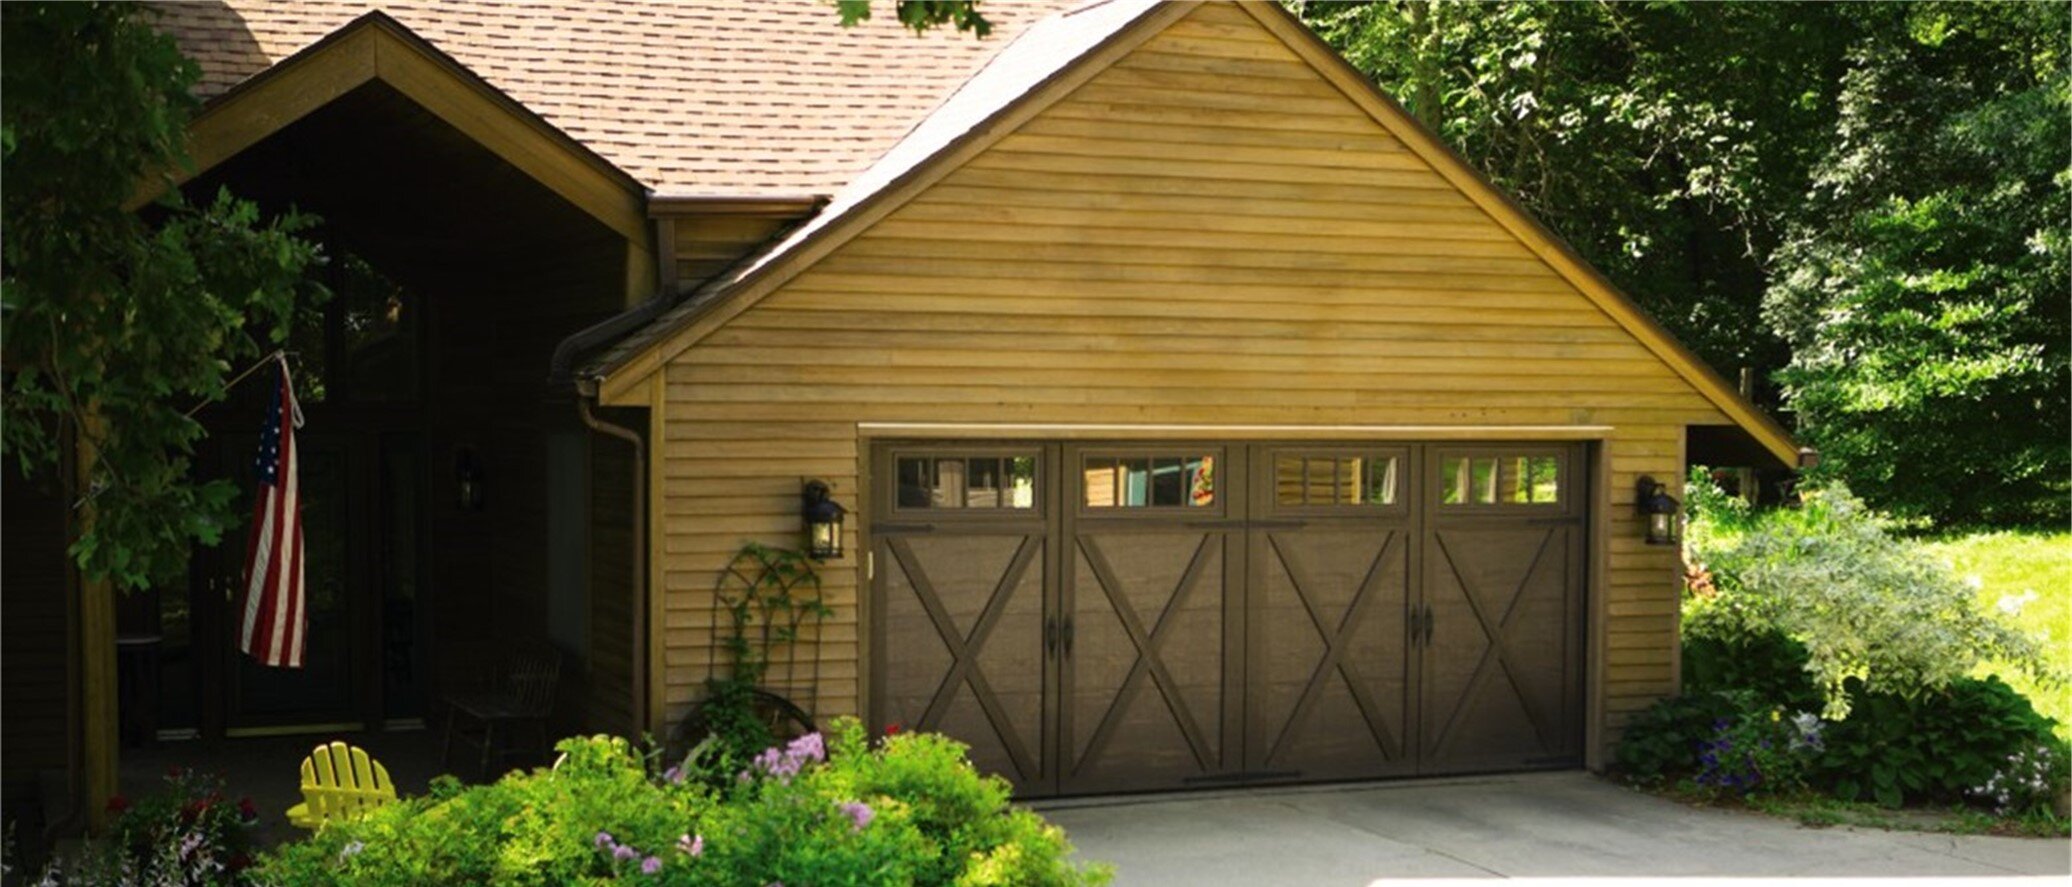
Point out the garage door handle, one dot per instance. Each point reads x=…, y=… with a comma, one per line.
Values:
x=1428, y=625
x=1067, y=639
x=1050, y=636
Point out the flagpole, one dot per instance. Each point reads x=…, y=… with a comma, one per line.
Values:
x=278, y=354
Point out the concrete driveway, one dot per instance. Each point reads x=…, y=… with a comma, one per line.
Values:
x=1559, y=825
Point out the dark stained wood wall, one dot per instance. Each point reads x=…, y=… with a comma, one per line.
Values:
x=36, y=636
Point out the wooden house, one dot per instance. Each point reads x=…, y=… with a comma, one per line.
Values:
x=1200, y=418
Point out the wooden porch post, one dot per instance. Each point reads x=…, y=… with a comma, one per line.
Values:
x=98, y=709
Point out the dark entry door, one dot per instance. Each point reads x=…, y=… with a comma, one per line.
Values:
x=362, y=665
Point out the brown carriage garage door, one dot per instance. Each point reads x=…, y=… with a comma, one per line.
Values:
x=1137, y=616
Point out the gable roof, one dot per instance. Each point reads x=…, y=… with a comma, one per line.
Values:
x=689, y=96
x=1041, y=66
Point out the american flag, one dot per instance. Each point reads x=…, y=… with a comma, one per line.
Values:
x=275, y=620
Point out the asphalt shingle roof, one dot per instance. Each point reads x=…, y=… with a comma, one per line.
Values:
x=688, y=96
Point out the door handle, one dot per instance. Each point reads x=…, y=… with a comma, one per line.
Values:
x=1050, y=636
x=1067, y=639
x=1428, y=625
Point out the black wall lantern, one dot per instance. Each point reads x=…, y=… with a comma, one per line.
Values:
x=1658, y=510
x=467, y=479
x=823, y=519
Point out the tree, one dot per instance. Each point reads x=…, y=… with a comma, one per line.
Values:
x=1663, y=141
x=1924, y=289
x=114, y=323
x=1866, y=203
x=920, y=15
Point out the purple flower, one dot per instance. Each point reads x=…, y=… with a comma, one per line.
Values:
x=692, y=844
x=859, y=813
x=807, y=748
x=673, y=776
x=623, y=853
x=650, y=866
x=190, y=844
x=604, y=839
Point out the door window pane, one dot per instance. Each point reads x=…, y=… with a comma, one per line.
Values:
x=1160, y=481
x=966, y=482
x=1500, y=480
x=1468, y=480
x=1530, y=480
x=1334, y=480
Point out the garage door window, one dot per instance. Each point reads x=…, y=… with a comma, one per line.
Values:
x=996, y=483
x=1159, y=480
x=1334, y=479
x=1530, y=479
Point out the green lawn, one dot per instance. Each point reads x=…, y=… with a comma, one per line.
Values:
x=2010, y=564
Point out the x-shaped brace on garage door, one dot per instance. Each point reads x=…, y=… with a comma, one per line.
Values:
x=1147, y=652
x=1336, y=642
x=1498, y=652
x=964, y=668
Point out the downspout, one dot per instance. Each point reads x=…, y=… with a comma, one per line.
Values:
x=638, y=589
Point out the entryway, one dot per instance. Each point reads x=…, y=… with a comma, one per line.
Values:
x=1104, y=617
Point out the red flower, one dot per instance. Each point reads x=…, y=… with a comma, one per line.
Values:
x=238, y=863
x=246, y=810
x=117, y=803
x=891, y=729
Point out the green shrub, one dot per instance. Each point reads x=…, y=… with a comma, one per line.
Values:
x=1870, y=612
x=188, y=832
x=2032, y=782
x=1770, y=666
x=1727, y=742
x=1934, y=746
x=1662, y=742
x=827, y=810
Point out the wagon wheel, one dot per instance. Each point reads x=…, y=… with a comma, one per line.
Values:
x=784, y=720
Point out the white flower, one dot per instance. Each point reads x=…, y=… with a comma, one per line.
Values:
x=2012, y=605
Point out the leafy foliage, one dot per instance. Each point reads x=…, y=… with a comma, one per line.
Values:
x=1936, y=745
x=115, y=325
x=1868, y=611
x=1866, y=203
x=909, y=811
x=188, y=832
x=1664, y=141
x=920, y=15
x=768, y=595
x=1923, y=287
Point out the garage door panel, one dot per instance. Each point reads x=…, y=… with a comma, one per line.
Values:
x=1145, y=661
x=1155, y=615
x=1496, y=674
x=1328, y=689
x=963, y=619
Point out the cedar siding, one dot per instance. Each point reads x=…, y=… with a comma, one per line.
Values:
x=1207, y=233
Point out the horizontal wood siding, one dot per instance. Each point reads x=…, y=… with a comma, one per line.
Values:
x=706, y=245
x=1206, y=233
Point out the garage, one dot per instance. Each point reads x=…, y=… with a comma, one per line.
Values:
x=1098, y=617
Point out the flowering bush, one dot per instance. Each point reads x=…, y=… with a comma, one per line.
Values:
x=1753, y=752
x=821, y=810
x=189, y=832
x=2031, y=781
x=1869, y=612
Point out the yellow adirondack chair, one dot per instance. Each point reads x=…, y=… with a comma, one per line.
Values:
x=340, y=781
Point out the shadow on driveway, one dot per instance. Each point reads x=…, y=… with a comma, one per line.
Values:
x=1555, y=825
